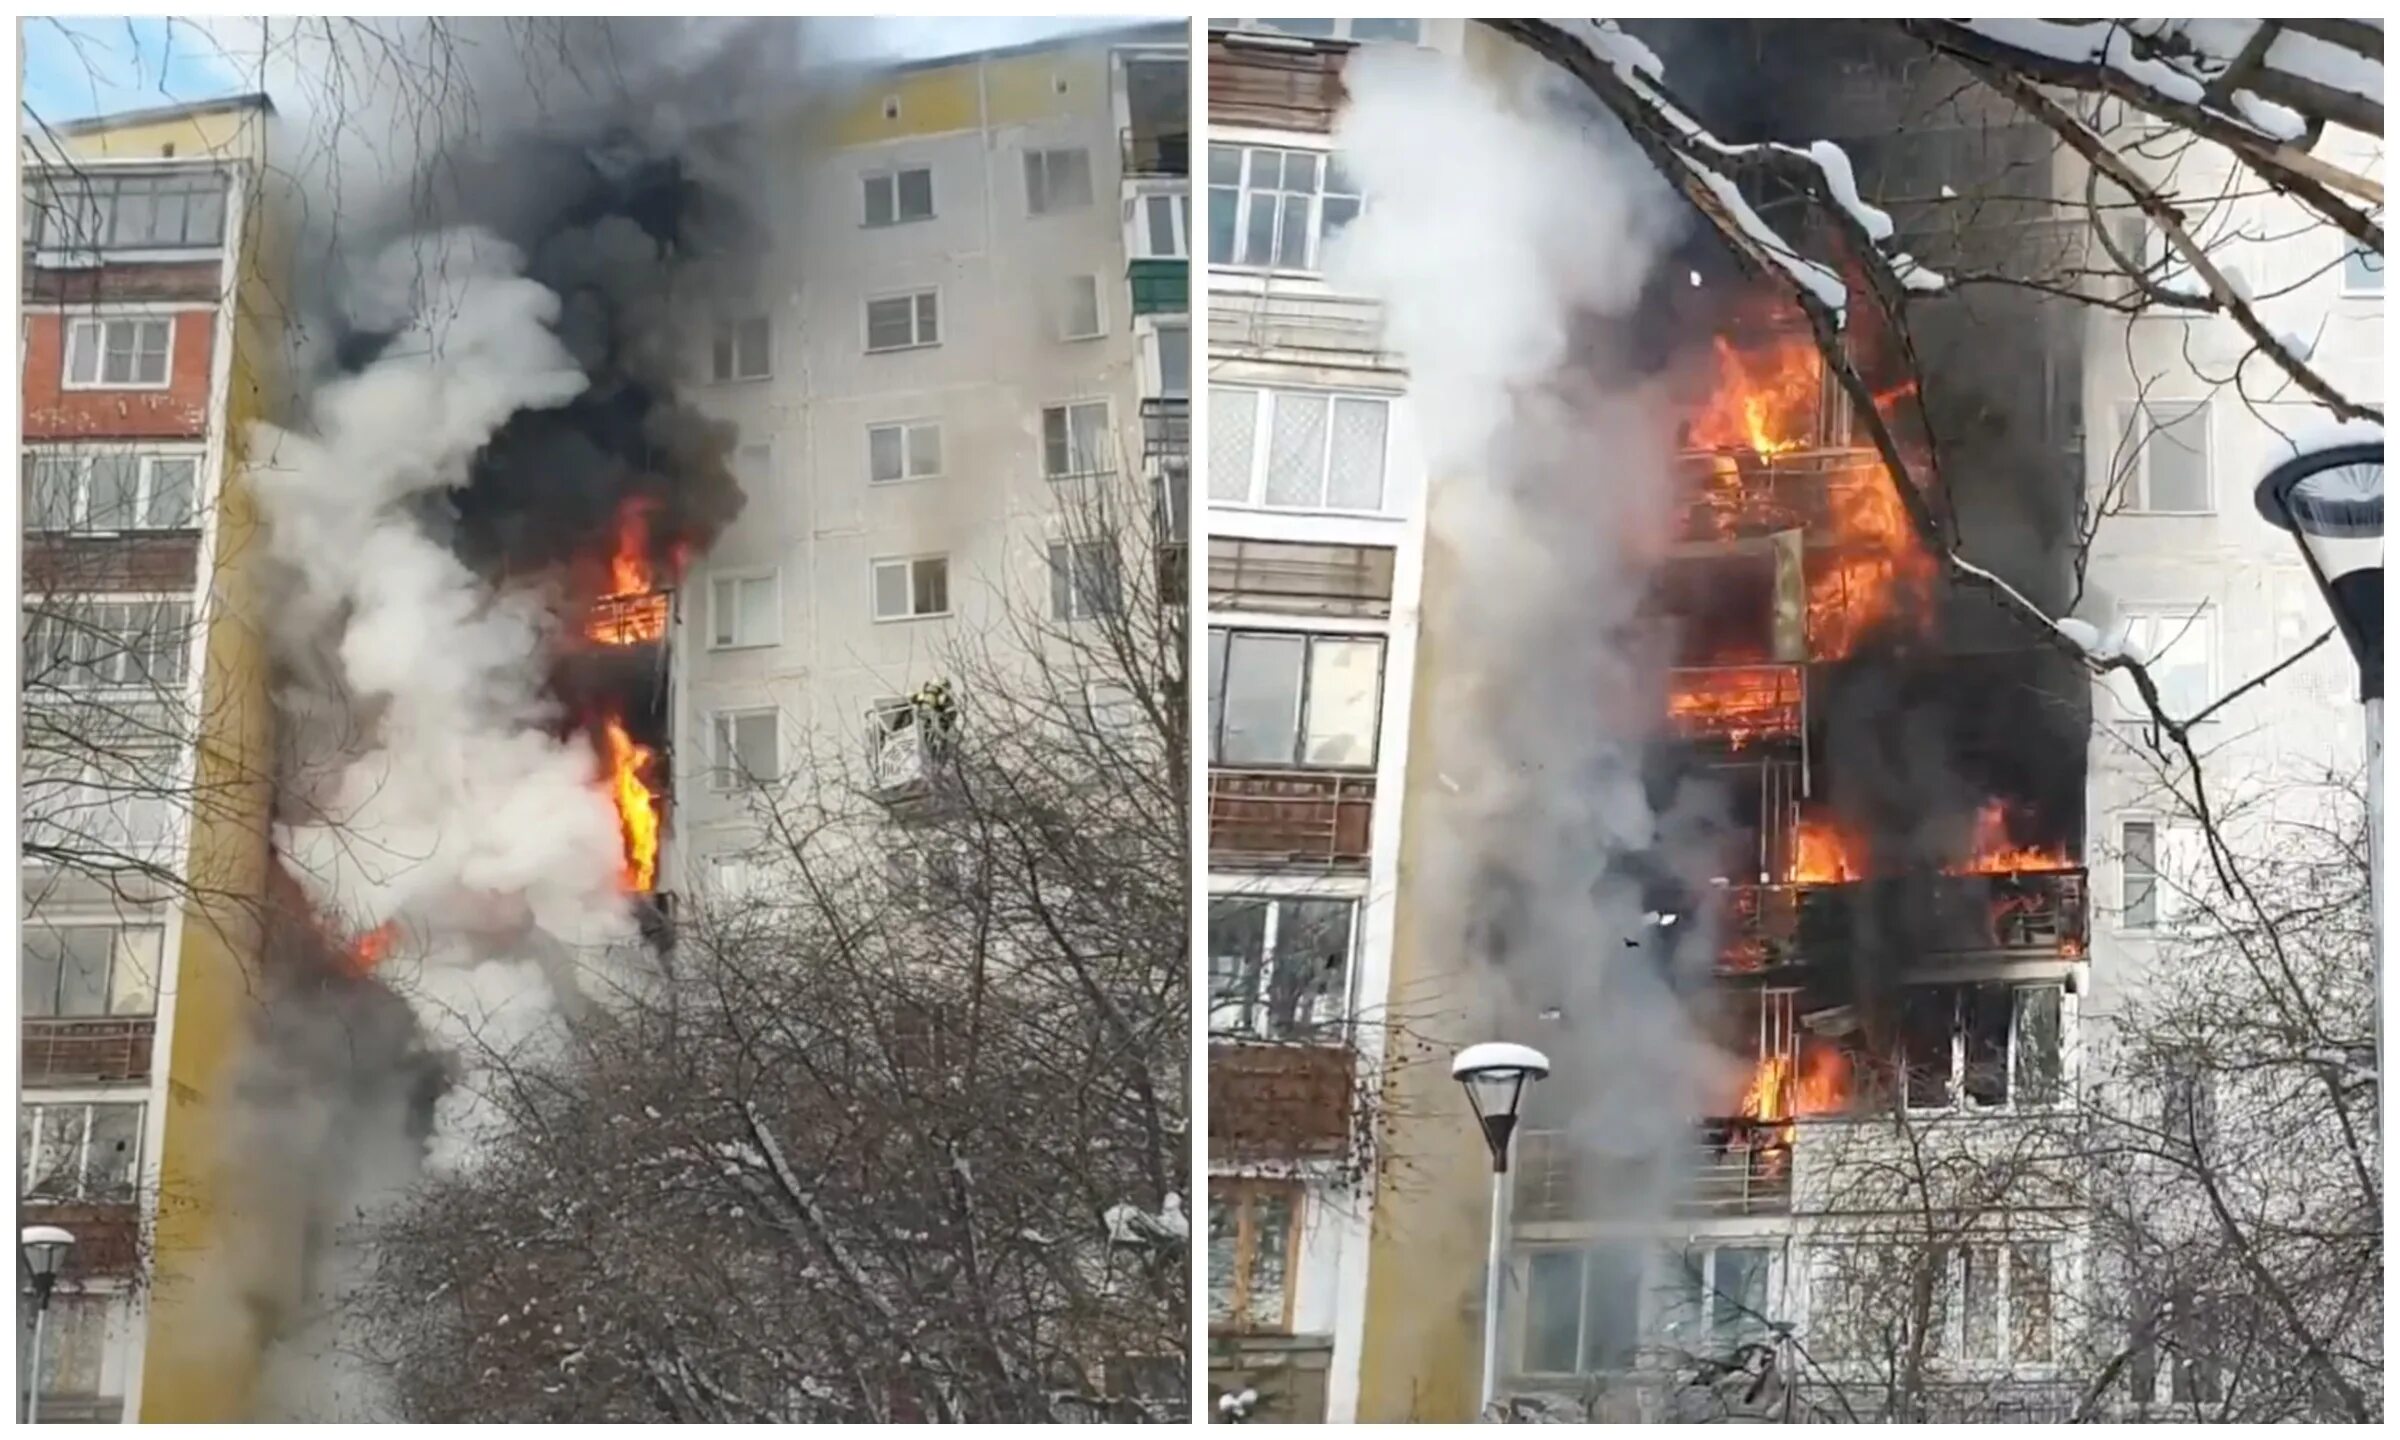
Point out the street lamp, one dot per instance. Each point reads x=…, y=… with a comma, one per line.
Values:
x=1495, y=1075
x=2331, y=501
x=44, y=1248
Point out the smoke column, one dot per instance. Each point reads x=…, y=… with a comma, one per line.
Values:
x=1509, y=240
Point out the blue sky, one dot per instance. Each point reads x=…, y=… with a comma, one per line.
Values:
x=91, y=65
x=94, y=64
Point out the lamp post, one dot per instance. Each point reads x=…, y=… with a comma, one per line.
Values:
x=2331, y=501
x=1495, y=1075
x=44, y=1248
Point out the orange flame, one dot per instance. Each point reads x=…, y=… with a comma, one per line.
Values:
x=1735, y=704
x=633, y=612
x=1765, y=398
x=1776, y=1095
x=637, y=806
x=369, y=950
x=1998, y=853
x=1877, y=569
x=1823, y=853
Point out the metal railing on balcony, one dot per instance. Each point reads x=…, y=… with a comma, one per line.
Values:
x=2041, y=912
x=1167, y=427
x=1156, y=152
x=1734, y=1167
x=1289, y=817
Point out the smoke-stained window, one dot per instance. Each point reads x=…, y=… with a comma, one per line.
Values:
x=86, y=970
x=110, y=491
x=1278, y=969
x=1273, y=209
x=911, y=450
x=1075, y=440
x=1083, y=580
x=1712, y=1300
x=1987, y=1046
x=747, y=748
x=2166, y=468
x=1298, y=449
x=127, y=354
x=1583, y=1310
x=742, y=349
x=1057, y=180
x=1253, y=1240
x=743, y=611
x=898, y=197
x=128, y=212
x=1283, y=698
x=106, y=644
x=904, y=322
x=79, y=1152
x=911, y=589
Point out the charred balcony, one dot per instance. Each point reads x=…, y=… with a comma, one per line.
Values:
x=2029, y=914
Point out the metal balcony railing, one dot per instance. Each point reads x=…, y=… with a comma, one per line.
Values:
x=2041, y=912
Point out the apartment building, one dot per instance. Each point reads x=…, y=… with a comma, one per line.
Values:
x=145, y=340
x=976, y=301
x=1316, y=489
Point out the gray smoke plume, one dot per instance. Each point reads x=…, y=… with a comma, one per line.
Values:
x=1509, y=236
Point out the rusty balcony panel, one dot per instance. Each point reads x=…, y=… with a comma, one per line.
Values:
x=101, y=565
x=1733, y=707
x=108, y=1238
x=85, y=1051
x=1279, y=1100
x=120, y=281
x=1281, y=88
x=1289, y=817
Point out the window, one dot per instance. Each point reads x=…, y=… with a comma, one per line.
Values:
x=1714, y=1299
x=1115, y=710
x=1404, y=31
x=75, y=1353
x=129, y=354
x=1989, y=1045
x=912, y=589
x=129, y=212
x=1297, y=449
x=2169, y=462
x=748, y=748
x=1273, y=209
x=911, y=450
x=740, y=349
x=2362, y=271
x=1294, y=578
x=2187, y=1101
x=79, y=1152
x=111, y=491
x=1162, y=227
x=1079, y=311
x=2179, y=644
x=1279, y=969
x=732, y=877
x=1253, y=1239
x=1174, y=361
x=1083, y=580
x=1075, y=440
x=1582, y=1310
x=897, y=197
x=744, y=610
x=1285, y=698
x=1057, y=180
x=80, y=970
x=904, y=322
x=2004, y=1309
x=106, y=644
x=2137, y=869
x=122, y=803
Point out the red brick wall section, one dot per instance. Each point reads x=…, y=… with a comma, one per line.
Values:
x=179, y=412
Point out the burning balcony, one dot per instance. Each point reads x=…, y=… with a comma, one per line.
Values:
x=2040, y=912
x=1736, y=707
x=638, y=619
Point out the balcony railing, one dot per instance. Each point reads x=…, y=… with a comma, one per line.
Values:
x=1289, y=817
x=85, y=1051
x=1734, y=707
x=1167, y=428
x=1157, y=152
x=2043, y=912
x=1267, y=1100
x=1735, y=1167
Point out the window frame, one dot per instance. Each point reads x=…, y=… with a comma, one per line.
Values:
x=728, y=331
x=2181, y=623
x=724, y=739
x=120, y=932
x=1262, y=449
x=876, y=563
x=1146, y=240
x=1343, y=29
x=916, y=317
x=1063, y=330
x=147, y=461
x=1244, y=1192
x=1584, y=1251
x=63, y=606
x=908, y=430
x=1221, y=668
x=1331, y=1029
x=2135, y=422
x=187, y=182
x=1095, y=465
x=892, y=176
x=1072, y=553
x=35, y=1115
x=773, y=576
x=1708, y=1325
x=100, y=381
x=1313, y=264
x=1038, y=198
x=1958, y=1102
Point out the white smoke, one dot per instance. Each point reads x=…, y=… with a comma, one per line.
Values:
x=1508, y=237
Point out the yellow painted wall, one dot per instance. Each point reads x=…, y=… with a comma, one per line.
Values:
x=976, y=94
x=228, y=134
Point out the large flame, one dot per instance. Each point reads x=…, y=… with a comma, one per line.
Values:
x=637, y=806
x=1824, y=853
x=634, y=611
x=1872, y=570
x=1998, y=853
x=1764, y=400
x=1735, y=704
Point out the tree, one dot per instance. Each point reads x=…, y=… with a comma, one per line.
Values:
x=902, y=1133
